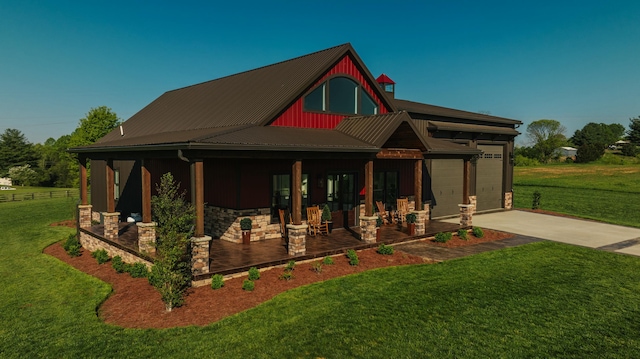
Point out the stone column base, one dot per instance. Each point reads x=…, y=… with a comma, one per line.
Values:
x=473, y=200
x=508, y=200
x=368, y=229
x=111, y=222
x=297, y=239
x=84, y=215
x=147, y=237
x=200, y=255
x=466, y=215
x=421, y=217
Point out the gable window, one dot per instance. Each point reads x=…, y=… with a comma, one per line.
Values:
x=340, y=95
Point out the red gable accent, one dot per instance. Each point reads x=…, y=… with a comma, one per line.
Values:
x=384, y=79
x=294, y=116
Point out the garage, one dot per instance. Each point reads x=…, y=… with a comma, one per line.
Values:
x=489, y=177
x=446, y=186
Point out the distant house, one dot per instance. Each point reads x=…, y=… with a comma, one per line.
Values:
x=5, y=181
x=567, y=151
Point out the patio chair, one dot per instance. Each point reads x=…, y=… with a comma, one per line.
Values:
x=403, y=209
x=383, y=212
x=283, y=223
x=314, y=221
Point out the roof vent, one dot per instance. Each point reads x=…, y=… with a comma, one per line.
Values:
x=387, y=85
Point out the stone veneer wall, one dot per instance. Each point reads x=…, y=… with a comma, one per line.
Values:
x=224, y=223
x=91, y=243
x=508, y=200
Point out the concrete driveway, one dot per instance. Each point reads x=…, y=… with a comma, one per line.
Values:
x=561, y=229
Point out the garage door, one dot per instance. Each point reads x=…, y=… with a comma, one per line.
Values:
x=489, y=175
x=446, y=187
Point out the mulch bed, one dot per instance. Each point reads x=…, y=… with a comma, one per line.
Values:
x=134, y=303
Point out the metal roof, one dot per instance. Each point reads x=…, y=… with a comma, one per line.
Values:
x=463, y=127
x=423, y=108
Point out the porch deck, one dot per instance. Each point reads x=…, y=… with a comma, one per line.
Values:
x=228, y=258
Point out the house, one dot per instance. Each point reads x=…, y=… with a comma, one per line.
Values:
x=5, y=181
x=238, y=144
x=567, y=152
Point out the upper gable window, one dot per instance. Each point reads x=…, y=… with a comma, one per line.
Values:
x=340, y=95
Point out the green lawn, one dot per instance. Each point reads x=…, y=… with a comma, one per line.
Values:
x=610, y=193
x=539, y=300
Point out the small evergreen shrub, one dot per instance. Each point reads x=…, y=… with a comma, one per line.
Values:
x=462, y=233
x=353, y=257
x=118, y=264
x=327, y=261
x=290, y=266
x=248, y=285
x=326, y=213
x=536, y=200
x=443, y=237
x=630, y=150
x=217, y=281
x=379, y=222
x=478, y=232
x=411, y=218
x=246, y=224
x=386, y=250
x=254, y=273
x=286, y=276
x=317, y=267
x=101, y=256
x=138, y=270
x=72, y=246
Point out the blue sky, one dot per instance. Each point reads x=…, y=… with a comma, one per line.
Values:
x=572, y=61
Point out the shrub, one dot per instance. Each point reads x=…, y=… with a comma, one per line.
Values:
x=523, y=161
x=286, y=276
x=478, y=232
x=536, y=200
x=326, y=213
x=290, y=266
x=379, y=222
x=630, y=150
x=254, y=273
x=248, y=285
x=72, y=246
x=246, y=224
x=138, y=270
x=317, y=267
x=589, y=152
x=462, y=233
x=118, y=264
x=443, y=237
x=353, y=257
x=411, y=218
x=170, y=210
x=101, y=256
x=327, y=261
x=217, y=281
x=384, y=249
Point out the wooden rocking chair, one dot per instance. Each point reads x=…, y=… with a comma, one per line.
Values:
x=403, y=209
x=283, y=223
x=314, y=221
x=382, y=212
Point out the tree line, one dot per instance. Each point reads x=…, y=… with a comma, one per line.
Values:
x=50, y=164
x=547, y=136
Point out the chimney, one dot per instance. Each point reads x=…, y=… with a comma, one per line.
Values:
x=387, y=85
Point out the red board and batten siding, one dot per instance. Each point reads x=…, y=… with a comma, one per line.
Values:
x=295, y=116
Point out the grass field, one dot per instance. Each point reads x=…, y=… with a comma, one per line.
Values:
x=539, y=300
x=610, y=193
x=32, y=193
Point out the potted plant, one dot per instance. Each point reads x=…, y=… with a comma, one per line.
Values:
x=411, y=223
x=379, y=223
x=245, y=226
x=326, y=217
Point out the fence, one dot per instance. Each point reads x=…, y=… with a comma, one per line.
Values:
x=13, y=197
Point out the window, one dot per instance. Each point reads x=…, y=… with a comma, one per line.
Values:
x=281, y=192
x=340, y=95
x=116, y=184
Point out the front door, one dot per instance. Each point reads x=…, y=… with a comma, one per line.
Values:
x=341, y=195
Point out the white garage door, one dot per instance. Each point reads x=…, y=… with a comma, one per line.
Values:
x=446, y=187
x=489, y=176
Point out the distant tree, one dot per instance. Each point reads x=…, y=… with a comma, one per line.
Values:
x=598, y=133
x=23, y=175
x=633, y=135
x=97, y=123
x=546, y=136
x=589, y=152
x=15, y=150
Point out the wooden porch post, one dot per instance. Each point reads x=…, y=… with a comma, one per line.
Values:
x=146, y=193
x=465, y=182
x=368, y=185
x=417, y=182
x=83, y=181
x=199, y=189
x=111, y=201
x=296, y=199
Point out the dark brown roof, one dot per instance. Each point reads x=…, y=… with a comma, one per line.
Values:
x=248, y=98
x=463, y=127
x=422, y=108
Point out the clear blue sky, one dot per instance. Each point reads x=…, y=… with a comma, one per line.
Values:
x=572, y=61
